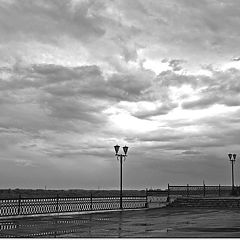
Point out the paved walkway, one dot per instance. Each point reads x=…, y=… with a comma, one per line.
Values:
x=162, y=222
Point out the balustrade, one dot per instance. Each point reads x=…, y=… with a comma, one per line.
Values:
x=32, y=206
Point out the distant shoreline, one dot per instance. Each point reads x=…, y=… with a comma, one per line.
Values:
x=32, y=193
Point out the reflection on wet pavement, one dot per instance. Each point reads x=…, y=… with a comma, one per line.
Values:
x=145, y=223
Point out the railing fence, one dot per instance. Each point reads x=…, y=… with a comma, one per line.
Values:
x=193, y=191
x=201, y=190
x=57, y=204
x=31, y=206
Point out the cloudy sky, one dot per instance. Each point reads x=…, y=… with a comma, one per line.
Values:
x=78, y=77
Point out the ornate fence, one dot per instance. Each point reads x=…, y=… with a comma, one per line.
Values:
x=30, y=206
x=201, y=190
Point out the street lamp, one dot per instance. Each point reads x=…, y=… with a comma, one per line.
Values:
x=232, y=158
x=121, y=156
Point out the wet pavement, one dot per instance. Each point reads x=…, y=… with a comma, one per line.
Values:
x=162, y=222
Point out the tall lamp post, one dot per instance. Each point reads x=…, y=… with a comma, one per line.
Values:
x=232, y=158
x=121, y=157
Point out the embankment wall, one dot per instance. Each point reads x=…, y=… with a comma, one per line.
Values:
x=206, y=203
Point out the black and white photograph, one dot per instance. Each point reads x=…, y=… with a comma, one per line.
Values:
x=119, y=119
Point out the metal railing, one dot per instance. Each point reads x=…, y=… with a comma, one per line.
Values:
x=32, y=206
x=193, y=191
x=200, y=190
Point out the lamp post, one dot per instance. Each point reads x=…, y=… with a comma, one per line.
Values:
x=232, y=158
x=121, y=157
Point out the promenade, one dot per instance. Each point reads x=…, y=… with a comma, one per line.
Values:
x=158, y=222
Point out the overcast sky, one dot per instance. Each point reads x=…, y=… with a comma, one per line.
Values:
x=78, y=77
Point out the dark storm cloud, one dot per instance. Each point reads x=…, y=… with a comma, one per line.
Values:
x=53, y=97
x=47, y=74
x=27, y=90
x=77, y=81
x=65, y=92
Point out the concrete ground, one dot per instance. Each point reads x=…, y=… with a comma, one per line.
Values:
x=160, y=222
